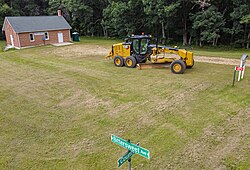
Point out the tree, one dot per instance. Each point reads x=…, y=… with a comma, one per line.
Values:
x=160, y=12
x=115, y=21
x=81, y=14
x=206, y=21
x=5, y=10
x=85, y=16
x=209, y=23
x=246, y=20
x=123, y=18
x=236, y=29
x=183, y=13
x=28, y=7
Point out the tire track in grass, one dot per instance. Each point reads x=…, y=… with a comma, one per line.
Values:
x=219, y=60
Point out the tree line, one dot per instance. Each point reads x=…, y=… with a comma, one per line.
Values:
x=200, y=22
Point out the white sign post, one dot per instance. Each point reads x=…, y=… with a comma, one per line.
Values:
x=241, y=69
x=243, y=61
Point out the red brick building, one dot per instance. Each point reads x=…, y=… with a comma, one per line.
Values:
x=28, y=31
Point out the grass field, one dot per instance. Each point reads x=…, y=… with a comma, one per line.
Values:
x=59, y=107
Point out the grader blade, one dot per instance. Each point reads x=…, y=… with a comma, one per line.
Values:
x=143, y=66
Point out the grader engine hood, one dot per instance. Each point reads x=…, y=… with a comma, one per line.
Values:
x=119, y=49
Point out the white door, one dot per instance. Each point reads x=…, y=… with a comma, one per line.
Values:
x=60, y=37
x=12, y=40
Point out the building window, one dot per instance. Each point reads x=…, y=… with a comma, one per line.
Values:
x=46, y=35
x=32, y=37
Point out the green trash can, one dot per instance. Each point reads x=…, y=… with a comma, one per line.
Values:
x=75, y=36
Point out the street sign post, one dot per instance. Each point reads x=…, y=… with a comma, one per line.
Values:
x=125, y=158
x=131, y=147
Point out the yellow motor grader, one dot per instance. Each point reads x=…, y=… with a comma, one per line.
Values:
x=137, y=50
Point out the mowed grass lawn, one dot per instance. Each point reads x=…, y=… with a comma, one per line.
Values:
x=60, y=105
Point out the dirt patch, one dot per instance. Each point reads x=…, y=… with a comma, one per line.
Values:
x=85, y=145
x=176, y=129
x=83, y=98
x=219, y=60
x=145, y=120
x=71, y=100
x=170, y=103
x=78, y=51
x=114, y=112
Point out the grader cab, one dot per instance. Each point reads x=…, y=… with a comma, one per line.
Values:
x=137, y=50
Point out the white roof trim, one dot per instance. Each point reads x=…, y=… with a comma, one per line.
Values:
x=3, y=28
x=6, y=20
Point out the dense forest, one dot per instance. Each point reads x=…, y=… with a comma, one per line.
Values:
x=199, y=22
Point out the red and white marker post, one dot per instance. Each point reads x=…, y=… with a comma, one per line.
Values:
x=241, y=69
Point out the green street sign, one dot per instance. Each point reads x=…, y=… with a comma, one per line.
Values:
x=124, y=158
x=131, y=147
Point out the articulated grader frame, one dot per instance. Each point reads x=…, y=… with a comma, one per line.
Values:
x=137, y=50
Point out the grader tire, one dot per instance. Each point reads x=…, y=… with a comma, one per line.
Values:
x=130, y=62
x=118, y=61
x=178, y=67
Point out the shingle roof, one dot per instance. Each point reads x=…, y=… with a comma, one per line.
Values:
x=37, y=23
